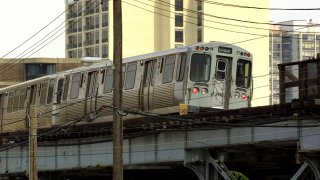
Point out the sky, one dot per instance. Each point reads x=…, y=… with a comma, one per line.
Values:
x=22, y=19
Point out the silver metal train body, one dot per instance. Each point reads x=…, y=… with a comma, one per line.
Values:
x=213, y=74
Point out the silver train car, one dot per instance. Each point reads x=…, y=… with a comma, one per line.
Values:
x=214, y=74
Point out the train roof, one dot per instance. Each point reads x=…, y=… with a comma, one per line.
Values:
x=125, y=60
x=25, y=83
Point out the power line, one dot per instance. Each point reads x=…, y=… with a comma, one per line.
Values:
x=238, y=20
x=36, y=33
x=261, y=8
x=3, y=69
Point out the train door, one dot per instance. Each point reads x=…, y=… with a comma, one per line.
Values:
x=146, y=91
x=59, y=91
x=31, y=104
x=240, y=88
x=222, y=85
x=56, y=106
x=92, y=91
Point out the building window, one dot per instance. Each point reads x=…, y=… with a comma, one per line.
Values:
x=179, y=20
x=37, y=70
x=179, y=36
x=199, y=35
x=308, y=37
x=104, y=20
x=199, y=5
x=104, y=5
x=97, y=37
x=179, y=5
x=96, y=51
x=96, y=24
x=199, y=19
x=105, y=51
x=104, y=35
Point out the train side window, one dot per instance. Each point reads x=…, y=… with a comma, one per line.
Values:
x=130, y=75
x=50, y=91
x=108, y=83
x=23, y=95
x=1, y=104
x=43, y=93
x=93, y=84
x=221, y=69
x=10, y=101
x=75, y=85
x=16, y=101
x=59, y=90
x=33, y=94
x=168, y=69
x=66, y=88
x=181, y=67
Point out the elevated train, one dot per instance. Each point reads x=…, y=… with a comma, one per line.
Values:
x=213, y=74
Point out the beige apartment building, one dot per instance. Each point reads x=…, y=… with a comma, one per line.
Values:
x=154, y=25
x=14, y=71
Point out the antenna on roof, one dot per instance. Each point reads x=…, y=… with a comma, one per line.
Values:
x=90, y=60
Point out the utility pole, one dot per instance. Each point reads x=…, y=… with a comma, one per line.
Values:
x=33, y=148
x=117, y=92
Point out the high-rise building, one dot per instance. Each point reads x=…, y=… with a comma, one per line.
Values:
x=154, y=25
x=291, y=41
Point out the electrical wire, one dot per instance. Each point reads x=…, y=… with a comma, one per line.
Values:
x=239, y=20
x=36, y=33
x=259, y=8
x=3, y=69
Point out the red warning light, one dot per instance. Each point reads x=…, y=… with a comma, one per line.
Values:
x=243, y=97
x=195, y=90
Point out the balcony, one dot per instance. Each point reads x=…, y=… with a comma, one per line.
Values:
x=88, y=42
x=88, y=11
x=71, y=15
x=70, y=46
x=71, y=30
x=88, y=27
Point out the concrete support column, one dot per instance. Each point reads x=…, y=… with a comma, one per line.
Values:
x=205, y=166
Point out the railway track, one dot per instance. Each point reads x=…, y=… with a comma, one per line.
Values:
x=148, y=124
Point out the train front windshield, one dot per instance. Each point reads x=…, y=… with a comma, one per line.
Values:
x=200, y=67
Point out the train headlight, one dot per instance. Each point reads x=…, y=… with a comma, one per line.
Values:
x=195, y=90
x=237, y=94
x=204, y=91
x=244, y=97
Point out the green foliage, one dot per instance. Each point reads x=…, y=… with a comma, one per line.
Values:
x=239, y=175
